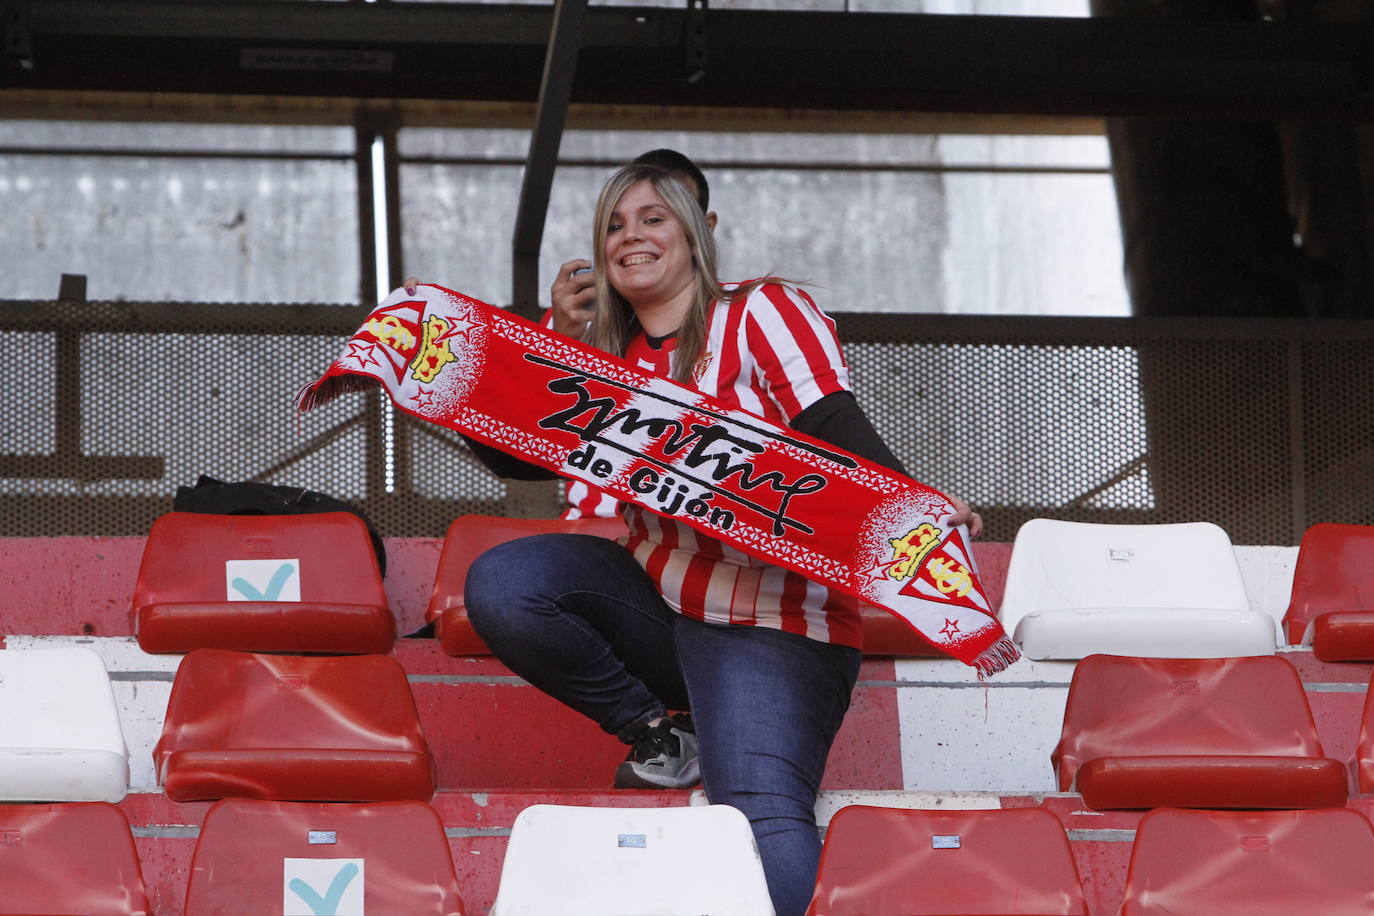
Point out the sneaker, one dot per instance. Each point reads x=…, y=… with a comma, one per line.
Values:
x=663, y=757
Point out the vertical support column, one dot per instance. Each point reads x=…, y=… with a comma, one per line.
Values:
x=391, y=168
x=374, y=457
x=1297, y=439
x=68, y=415
x=16, y=33
x=397, y=427
x=694, y=40
x=367, y=236
x=540, y=499
x=560, y=64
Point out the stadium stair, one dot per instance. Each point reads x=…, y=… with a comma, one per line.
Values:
x=922, y=733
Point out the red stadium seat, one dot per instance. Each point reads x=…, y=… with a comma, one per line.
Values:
x=1009, y=862
x=292, y=729
x=1251, y=863
x=1203, y=732
x=470, y=536
x=70, y=858
x=1332, y=607
x=261, y=583
x=1362, y=763
x=294, y=857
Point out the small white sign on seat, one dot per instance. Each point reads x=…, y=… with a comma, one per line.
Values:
x=262, y=580
x=322, y=887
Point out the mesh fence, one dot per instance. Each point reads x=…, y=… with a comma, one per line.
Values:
x=1261, y=427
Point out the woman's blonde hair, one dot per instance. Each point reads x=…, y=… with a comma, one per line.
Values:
x=613, y=323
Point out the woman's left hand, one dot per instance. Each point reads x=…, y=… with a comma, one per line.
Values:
x=963, y=515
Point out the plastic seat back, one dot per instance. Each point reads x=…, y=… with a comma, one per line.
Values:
x=1233, y=732
x=302, y=857
x=292, y=728
x=261, y=583
x=69, y=858
x=470, y=536
x=1362, y=760
x=1251, y=863
x=1011, y=862
x=1334, y=578
x=1076, y=589
x=60, y=737
x=682, y=861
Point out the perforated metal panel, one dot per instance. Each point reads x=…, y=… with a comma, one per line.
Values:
x=115, y=405
x=1260, y=426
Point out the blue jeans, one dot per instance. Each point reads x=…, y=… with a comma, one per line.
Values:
x=577, y=617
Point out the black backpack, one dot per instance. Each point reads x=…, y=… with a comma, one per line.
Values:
x=216, y=497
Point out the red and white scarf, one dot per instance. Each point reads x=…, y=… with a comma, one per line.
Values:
x=767, y=490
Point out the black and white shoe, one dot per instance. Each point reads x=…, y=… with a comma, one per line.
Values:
x=663, y=757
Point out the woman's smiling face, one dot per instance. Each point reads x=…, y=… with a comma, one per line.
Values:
x=648, y=258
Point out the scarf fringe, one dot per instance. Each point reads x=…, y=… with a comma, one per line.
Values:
x=996, y=657
x=321, y=392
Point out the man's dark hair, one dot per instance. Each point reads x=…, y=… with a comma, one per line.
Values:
x=670, y=160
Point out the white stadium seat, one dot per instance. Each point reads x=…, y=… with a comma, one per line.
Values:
x=1163, y=591
x=579, y=861
x=60, y=738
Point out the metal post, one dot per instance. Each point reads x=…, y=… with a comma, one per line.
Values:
x=374, y=458
x=71, y=288
x=388, y=198
x=536, y=499
x=367, y=237
x=694, y=40
x=1297, y=440
x=560, y=64
x=16, y=33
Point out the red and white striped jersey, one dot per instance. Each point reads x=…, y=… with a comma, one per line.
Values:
x=772, y=353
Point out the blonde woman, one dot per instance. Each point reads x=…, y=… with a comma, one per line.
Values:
x=671, y=619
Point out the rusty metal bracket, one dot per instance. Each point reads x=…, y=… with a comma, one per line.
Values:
x=16, y=30
x=694, y=40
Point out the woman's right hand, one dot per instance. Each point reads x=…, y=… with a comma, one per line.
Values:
x=963, y=515
x=409, y=284
x=574, y=296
